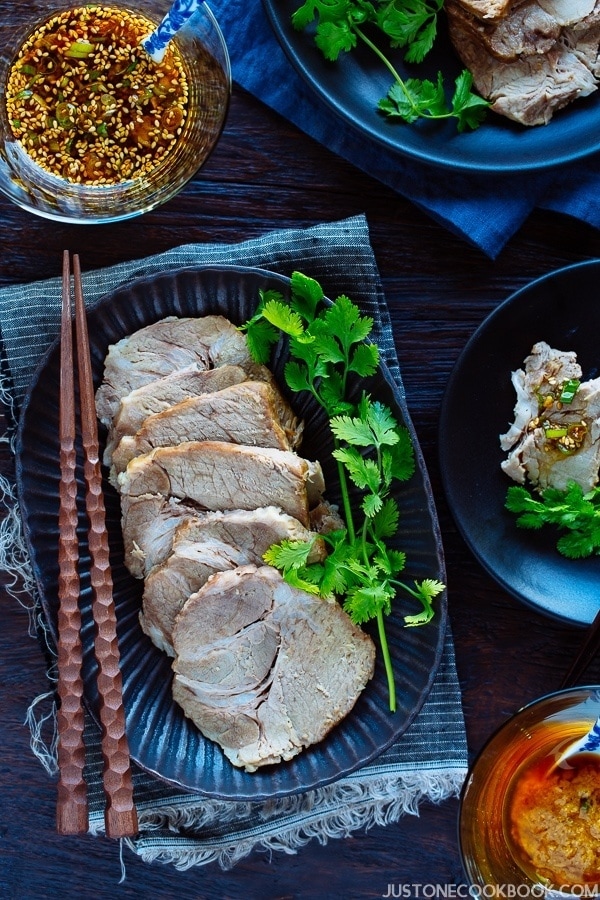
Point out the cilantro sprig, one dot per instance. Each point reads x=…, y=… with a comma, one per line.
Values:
x=575, y=514
x=328, y=344
x=410, y=25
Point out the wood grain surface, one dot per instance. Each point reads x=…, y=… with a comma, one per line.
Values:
x=266, y=175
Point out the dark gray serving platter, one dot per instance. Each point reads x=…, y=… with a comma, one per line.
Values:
x=561, y=308
x=161, y=739
x=352, y=86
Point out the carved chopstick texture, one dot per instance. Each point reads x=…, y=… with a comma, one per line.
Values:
x=72, y=806
x=120, y=812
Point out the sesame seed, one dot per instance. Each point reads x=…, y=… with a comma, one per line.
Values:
x=124, y=137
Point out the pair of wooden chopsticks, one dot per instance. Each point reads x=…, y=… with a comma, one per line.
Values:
x=72, y=807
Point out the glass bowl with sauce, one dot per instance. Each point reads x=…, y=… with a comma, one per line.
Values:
x=92, y=129
x=527, y=826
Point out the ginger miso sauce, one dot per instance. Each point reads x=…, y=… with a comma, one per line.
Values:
x=552, y=814
x=86, y=101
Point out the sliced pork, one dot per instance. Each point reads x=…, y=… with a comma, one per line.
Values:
x=542, y=370
x=265, y=669
x=162, y=393
x=209, y=543
x=487, y=9
x=534, y=59
x=163, y=347
x=552, y=443
x=527, y=31
x=218, y=475
x=150, y=521
x=252, y=413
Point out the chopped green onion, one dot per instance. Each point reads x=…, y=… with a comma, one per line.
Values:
x=80, y=49
x=39, y=100
x=102, y=130
x=553, y=433
x=569, y=389
x=24, y=94
x=28, y=70
x=64, y=114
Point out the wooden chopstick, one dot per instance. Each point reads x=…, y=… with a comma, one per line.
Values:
x=120, y=813
x=587, y=651
x=71, y=806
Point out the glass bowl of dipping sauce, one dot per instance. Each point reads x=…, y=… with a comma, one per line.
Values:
x=93, y=130
x=527, y=827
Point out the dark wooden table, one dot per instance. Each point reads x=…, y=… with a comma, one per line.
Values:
x=266, y=175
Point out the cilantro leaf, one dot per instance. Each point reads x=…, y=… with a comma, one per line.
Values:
x=570, y=510
x=385, y=523
x=279, y=314
x=328, y=343
x=469, y=108
x=364, y=360
x=261, y=337
x=333, y=38
x=410, y=25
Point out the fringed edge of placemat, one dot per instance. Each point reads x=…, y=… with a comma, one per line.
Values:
x=351, y=807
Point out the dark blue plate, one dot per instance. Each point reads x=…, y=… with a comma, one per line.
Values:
x=561, y=308
x=161, y=739
x=352, y=86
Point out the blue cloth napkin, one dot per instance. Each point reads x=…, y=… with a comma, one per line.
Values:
x=484, y=210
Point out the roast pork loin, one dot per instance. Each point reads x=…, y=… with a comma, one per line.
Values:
x=252, y=413
x=265, y=669
x=162, y=393
x=218, y=475
x=534, y=58
x=163, y=347
x=202, y=448
x=208, y=543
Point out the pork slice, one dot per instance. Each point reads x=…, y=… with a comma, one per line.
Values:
x=209, y=543
x=543, y=369
x=162, y=393
x=322, y=664
x=568, y=12
x=149, y=524
x=229, y=602
x=583, y=40
x=252, y=413
x=168, y=586
x=535, y=459
x=487, y=9
x=163, y=347
x=530, y=89
x=217, y=475
x=526, y=30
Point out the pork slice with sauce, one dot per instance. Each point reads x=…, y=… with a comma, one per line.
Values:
x=552, y=443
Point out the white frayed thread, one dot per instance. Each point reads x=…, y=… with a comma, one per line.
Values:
x=338, y=810
x=45, y=751
x=14, y=558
